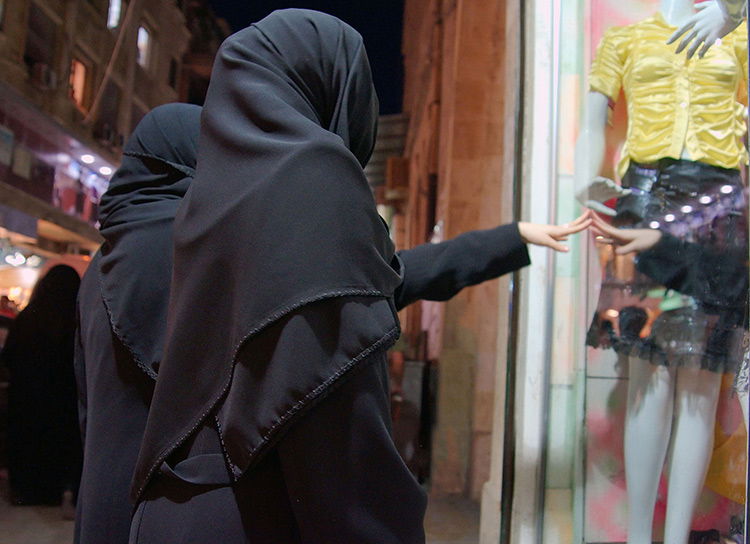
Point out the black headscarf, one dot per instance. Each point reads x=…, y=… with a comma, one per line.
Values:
x=136, y=221
x=279, y=216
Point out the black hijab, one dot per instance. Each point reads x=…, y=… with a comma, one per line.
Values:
x=279, y=216
x=136, y=217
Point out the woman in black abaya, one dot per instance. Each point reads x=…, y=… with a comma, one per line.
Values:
x=122, y=313
x=270, y=418
x=44, y=443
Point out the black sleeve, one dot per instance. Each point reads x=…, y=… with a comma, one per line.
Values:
x=718, y=278
x=440, y=271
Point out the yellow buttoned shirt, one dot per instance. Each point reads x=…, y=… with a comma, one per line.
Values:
x=675, y=103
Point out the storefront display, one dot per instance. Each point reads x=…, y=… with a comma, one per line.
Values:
x=645, y=437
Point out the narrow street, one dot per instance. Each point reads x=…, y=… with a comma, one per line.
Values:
x=448, y=521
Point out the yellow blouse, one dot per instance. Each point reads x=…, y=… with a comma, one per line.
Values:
x=675, y=103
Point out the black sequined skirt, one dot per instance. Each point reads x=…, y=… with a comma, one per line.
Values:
x=697, y=203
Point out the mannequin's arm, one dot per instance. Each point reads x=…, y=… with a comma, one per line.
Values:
x=592, y=191
x=681, y=265
x=713, y=20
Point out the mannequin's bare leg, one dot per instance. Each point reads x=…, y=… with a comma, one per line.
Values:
x=648, y=424
x=696, y=398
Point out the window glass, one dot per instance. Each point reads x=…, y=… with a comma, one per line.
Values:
x=77, y=82
x=172, y=78
x=113, y=15
x=41, y=36
x=144, y=46
x=647, y=408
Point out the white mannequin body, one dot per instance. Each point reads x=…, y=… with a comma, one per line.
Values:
x=657, y=394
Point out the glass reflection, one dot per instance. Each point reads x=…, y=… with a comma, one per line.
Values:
x=664, y=438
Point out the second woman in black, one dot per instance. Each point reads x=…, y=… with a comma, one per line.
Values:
x=122, y=313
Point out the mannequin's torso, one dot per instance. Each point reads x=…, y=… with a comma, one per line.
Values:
x=676, y=13
x=694, y=72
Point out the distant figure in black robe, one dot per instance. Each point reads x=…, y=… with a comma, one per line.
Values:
x=44, y=443
x=122, y=313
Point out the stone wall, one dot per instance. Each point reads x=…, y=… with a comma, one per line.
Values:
x=455, y=95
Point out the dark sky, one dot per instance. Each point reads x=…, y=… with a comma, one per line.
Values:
x=379, y=22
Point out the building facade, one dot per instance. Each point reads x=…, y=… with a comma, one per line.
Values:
x=76, y=76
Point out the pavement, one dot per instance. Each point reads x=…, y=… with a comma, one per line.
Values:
x=449, y=520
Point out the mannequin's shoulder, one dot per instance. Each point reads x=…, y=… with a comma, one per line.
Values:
x=617, y=36
x=650, y=25
x=619, y=31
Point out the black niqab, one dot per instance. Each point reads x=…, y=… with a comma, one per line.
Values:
x=279, y=216
x=136, y=219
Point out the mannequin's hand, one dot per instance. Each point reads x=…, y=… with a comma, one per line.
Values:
x=709, y=24
x=551, y=235
x=629, y=240
x=596, y=193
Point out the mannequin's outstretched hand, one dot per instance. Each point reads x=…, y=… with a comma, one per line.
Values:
x=710, y=23
x=551, y=235
x=629, y=240
x=596, y=193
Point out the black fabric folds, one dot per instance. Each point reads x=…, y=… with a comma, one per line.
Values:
x=136, y=221
x=122, y=313
x=279, y=216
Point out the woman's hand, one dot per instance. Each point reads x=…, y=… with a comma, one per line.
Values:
x=709, y=24
x=629, y=240
x=551, y=235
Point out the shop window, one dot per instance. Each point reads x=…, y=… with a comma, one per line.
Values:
x=39, y=51
x=113, y=14
x=144, y=44
x=106, y=130
x=173, y=73
x=22, y=162
x=78, y=83
x=644, y=342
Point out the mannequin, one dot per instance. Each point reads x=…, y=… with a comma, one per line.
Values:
x=651, y=246
x=667, y=399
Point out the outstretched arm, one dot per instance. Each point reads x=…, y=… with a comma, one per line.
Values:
x=440, y=271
